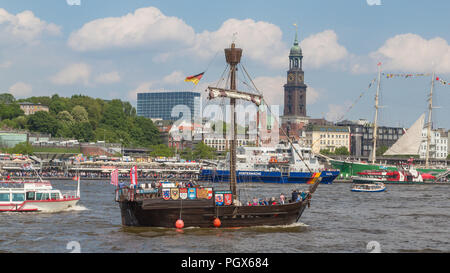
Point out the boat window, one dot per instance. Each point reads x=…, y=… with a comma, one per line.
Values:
x=18, y=197
x=55, y=196
x=4, y=197
x=30, y=195
x=45, y=196
x=39, y=196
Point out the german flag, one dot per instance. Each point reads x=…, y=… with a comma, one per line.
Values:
x=195, y=79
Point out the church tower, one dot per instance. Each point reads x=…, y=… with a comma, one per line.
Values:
x=295, y=88
x=294, y=117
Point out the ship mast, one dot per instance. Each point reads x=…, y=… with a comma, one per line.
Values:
x=430, y=108
x=233, y=57
x=375, y=125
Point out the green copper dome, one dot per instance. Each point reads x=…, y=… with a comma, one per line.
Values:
x=295, y=49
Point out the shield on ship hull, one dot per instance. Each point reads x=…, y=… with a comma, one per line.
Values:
x=192, y=193
x=166, y=194
x=202, y=193
x=183, y=193
x=228, y=199
x=219, y=199
x=174, y=193
x=210, y=193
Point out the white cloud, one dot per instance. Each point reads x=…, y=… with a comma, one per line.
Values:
x=312, y=95
x=107, y=78
x=142, y=88
x=174, y=78
x=24, y=27
x=145, y=27
x=20, y=90
x=171, y=36
x=322, y=49
x=336, y=111
x=261, y=41
x=73, y=74
x=412, y=53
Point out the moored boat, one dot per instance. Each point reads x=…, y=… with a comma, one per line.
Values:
x=279, y=164
x=406, y=174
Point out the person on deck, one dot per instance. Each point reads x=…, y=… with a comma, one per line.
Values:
x=294, y=196
x=282, y=198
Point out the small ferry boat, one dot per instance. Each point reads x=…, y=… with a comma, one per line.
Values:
x=34, y=196
x=369, y=187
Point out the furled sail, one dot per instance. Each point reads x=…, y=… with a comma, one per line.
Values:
x=215, y=92
x=409, y=143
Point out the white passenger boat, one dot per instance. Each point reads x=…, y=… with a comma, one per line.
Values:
x=369, y=187
x=35, y=196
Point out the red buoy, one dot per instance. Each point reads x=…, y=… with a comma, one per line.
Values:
x=217, y=222
x=179, y=224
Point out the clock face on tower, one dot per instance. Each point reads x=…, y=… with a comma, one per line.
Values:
x=300, y=78
x=291, y=77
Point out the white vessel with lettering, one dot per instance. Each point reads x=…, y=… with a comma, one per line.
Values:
x=35, y=196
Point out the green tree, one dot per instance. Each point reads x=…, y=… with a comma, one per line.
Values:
x=187, y=154
x=43, y=122
x=381, y=150
x=162, y=150
x=203, y=151
x=82, y=131
x=21, y=148
x=341, y=151
x=325, y=152
x=10, y=111
x=80, y=114
x=7, y=98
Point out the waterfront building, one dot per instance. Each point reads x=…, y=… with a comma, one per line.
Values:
x=30, y=108
x=361, y=136
x=222, y=144
x=294, y=116
x=160, y=105
x=438, y=144
x=9, y=139
x=327, y=137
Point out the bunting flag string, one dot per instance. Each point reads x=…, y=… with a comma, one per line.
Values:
x=442, y=81
x=356, y=101
x=405, y=75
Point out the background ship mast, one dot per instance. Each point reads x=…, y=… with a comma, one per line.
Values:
x=430, y=109
x=375, y=125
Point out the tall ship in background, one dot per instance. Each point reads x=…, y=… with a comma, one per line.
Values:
x=408, y=145
x=278, y=164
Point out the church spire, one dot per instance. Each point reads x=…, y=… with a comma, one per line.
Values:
x=296, y=35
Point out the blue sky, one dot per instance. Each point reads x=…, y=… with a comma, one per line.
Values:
x=113, y=49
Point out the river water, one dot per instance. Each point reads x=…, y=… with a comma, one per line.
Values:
x=405, y=218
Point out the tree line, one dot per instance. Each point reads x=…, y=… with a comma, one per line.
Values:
x=83, y=118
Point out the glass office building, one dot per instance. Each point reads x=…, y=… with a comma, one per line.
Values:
x=165, y=104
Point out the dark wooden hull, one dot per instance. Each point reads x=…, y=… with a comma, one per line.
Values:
x=201, y=213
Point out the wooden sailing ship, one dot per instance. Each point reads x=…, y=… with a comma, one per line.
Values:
x=169, y=206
